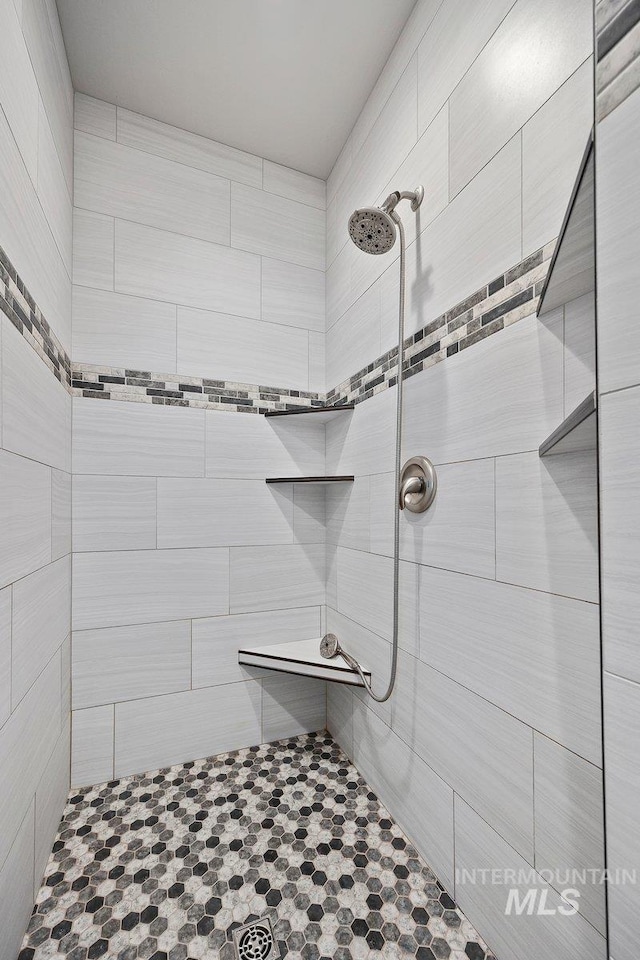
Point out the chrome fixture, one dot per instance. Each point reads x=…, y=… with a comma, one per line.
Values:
x=374, y=230
x=418, y=485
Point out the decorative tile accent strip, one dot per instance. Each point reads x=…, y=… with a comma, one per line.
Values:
x=618, y=48
x=174, y=389
x=507, y=299
x=500, y=303
x=167, y=865
x=20, y=307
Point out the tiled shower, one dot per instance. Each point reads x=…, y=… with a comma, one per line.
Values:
x=161, y=292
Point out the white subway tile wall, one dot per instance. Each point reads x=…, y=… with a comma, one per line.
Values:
x=36, y=157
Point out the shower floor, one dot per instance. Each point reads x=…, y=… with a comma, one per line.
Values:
x=165, y=865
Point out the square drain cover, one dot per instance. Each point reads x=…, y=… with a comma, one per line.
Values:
x=255, y=941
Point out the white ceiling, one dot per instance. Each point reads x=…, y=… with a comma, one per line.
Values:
x=283, y=79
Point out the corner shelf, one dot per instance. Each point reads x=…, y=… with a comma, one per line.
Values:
x=323, y=481
x=319, y=414
x=301, y=657
x=576, y=433
x=572, y=268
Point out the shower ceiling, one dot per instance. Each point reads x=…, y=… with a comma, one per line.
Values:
x=283, y=79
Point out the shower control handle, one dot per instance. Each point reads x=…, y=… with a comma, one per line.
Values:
x=412, y=485
x=418, y=483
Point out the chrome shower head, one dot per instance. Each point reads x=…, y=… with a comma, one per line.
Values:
x=329, y=646
x=372, y=230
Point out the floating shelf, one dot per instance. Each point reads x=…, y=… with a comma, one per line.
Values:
x=572, y=268
x=319, y=414
x=301, y=657
x=576, y=433
x=319, y=480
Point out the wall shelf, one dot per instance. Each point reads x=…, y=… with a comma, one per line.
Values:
x=572, y=268
x=317, y=414
x=576, y=433
x=323, y=481
x=303, y=658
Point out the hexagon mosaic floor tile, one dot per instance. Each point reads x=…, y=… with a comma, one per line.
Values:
x=165, y=866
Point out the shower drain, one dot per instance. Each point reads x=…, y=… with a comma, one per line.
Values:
x=255, y=941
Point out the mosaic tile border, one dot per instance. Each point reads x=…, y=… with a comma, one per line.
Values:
x=19, y=306
x=494, y=306
x=618, y=53
x=168, y=864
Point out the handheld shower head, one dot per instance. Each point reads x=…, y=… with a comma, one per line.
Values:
x=372, y=230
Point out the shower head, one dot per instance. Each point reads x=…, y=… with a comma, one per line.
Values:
x=373, y=229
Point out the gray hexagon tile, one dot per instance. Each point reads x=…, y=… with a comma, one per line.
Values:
x=165, y=866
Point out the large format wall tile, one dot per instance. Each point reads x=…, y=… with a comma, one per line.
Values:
x=524, y=935
x=535, y=49
x=92, y=745
x=354, y=340
x=620, y=519
x=53, y=192
x=618, y=247
x=273, y=578
x=144, y=586
x=41, y=621
x=161, y=731
x=137, y=439
x=458, y=530
x=163, y=140
x=93, y=242
x=476, y=237
x=570, y=822
x=293, y=295
x=18, y=88
x=534, y=654
x=127, y=663
x=216, y=641
x=246, y=447
x=365, y=590
x=26, y=742
x=292, y=184
x=94, y=116
x=114, y=513
x=362, y=442
x=195, y=273
x=340, y=705
x=421, y=801
x=60, y=514
x=27, y=239
x=553, y=142
x=622, y=783
x=25, y=516
x=275, y=227
x=116, y=180
x=217, y=513
x=17, y=880
x=5, y=654
x=51, y=797
x=453, y=41
x=110, y=329
x=504, y=396
x=36, y=408
x=546, y=523
x=46, y=49
x=291, y=706
x=371, y=651
x=485, y=754
x=246, y=351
